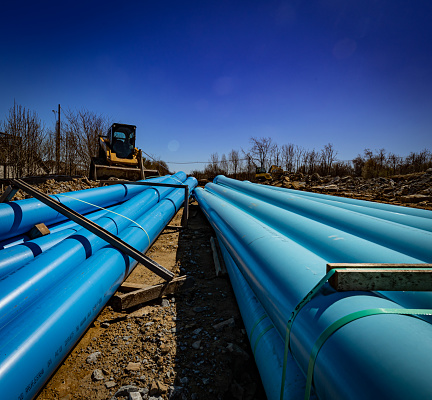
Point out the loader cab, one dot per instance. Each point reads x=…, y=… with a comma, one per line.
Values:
x=122, y=140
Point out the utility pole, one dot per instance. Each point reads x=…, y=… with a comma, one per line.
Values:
x=58, y=143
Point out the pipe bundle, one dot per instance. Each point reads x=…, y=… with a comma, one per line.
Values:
x=46, y=304
x=280, y=242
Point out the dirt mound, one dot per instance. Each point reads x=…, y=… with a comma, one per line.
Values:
x=409, y=190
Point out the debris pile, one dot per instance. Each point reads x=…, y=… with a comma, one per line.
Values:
x=412, y=189
x=51, y=186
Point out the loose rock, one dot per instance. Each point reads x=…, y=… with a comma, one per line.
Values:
x=98, y=375
x=92, y=358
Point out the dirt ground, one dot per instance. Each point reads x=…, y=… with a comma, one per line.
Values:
x=169, y=348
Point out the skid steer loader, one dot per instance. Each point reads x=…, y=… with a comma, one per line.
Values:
x=118, y=157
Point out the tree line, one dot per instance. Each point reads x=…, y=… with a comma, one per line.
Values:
x=28, y=147
x=264, y=152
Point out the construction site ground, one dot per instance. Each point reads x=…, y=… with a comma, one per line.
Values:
x=172, y=347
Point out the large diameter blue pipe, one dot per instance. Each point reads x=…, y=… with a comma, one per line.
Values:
x=14, y=257
x=307, y=205
x=53, y=228
x=266, y=344
x=20, y=216
x=396, y=239
x=22, y=287
x=333, y=241
x=36, y=342
x=358, y=361
x=371, y=204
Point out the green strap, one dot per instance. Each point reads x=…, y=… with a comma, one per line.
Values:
x=264, y=316
x=271, y=326
x=297, y=309
x=293, y=315
x=343, y=321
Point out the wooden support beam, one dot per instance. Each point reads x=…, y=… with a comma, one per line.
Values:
x=140, y=294
x=38, y=230
x=217, y=258
x=8, y=194
x=382, y=277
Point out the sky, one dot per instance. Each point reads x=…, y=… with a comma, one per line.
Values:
x=200, y=77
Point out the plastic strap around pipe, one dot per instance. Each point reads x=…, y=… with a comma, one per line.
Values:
x=102, y=208
x=271, y=326
x=264, y=316
x=296, y=310
x=302, y=303
x=342, y=322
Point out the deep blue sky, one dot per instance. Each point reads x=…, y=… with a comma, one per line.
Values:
x=198, y=77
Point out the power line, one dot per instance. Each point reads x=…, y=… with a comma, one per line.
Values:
x=204, y=162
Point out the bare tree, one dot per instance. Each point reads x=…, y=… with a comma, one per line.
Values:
x=381, y=157
x=261, y=150
x=298, y=156
x=328, y=157
x=224, y=164
x=392, y=161
x=311, y=158
x=276, y=155
x=288, y=153
x=26, y=134
x=80, y=143
x=234, y=160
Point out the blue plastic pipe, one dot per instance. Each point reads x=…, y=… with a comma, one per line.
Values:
x=357, y=217
x=24, y=286
x=369, y=240
x=20, y=216
x=22, y=251
x=13, y=257
x=417, y=212
x=337, y=235
x=267, y=346
x=373, y=357
x=38, y=339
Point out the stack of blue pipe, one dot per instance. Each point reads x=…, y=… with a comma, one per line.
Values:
x=52, y=288
x=276, y=244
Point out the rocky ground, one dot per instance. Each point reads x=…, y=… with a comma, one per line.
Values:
x=407, y=190
x=190, y=345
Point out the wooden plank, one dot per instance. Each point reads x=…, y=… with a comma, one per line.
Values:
x=375, y=265
x=382, y=277
x=38, y=230
x=123, y=301
x=218, y=269
x=220, y=256
x=8, y=194
x=127, y=287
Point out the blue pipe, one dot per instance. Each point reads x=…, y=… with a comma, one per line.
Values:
x=416, y=212
x=266, y=344
x=36, y=341
x=321, y=224
x=402, y=244
x=359, y=360
x=307, y=205
x=53, y=228
x=22, y=287
x=328, y=236
x=20, y=216
x=13, y=257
